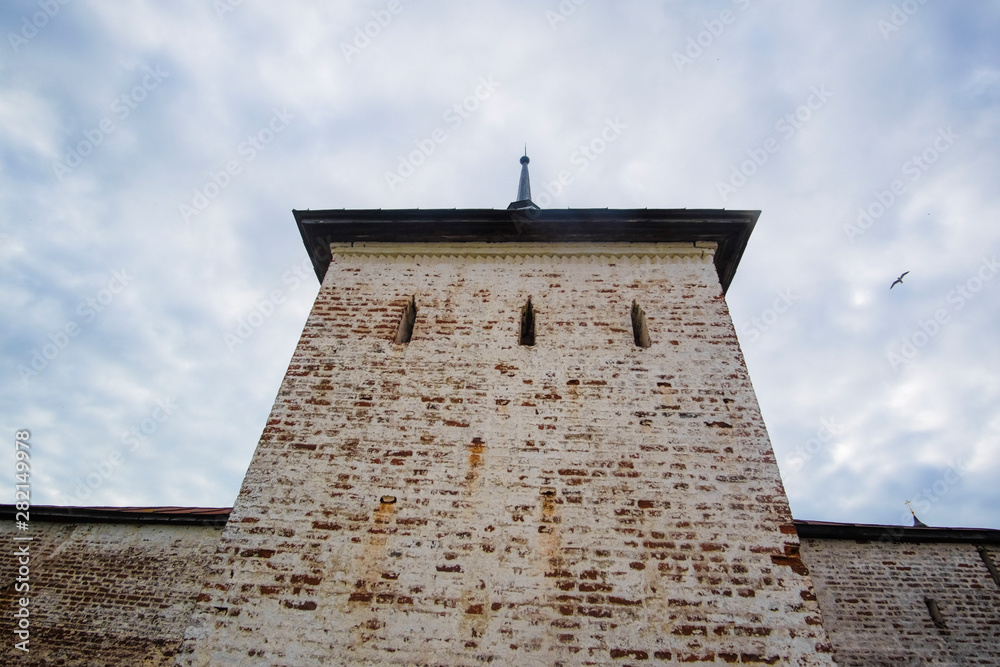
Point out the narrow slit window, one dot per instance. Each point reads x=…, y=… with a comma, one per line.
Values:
x=640, y=332
x=405, y=331
x=988, y=561
x=527, y=336
x=932, y=608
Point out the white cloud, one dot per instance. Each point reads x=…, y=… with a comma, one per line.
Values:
x=559, y=84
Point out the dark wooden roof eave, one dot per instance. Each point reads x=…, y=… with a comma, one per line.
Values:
x=827, y=530
x=185, y=516
x=729, y=229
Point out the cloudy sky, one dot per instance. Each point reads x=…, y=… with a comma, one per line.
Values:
x=154, y=284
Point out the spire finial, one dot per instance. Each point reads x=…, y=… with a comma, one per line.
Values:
x=523, y=186
x=917, y=523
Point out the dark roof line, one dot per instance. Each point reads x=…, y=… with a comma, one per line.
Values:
x=184, y=516
x=878, y=533
x=729, y=229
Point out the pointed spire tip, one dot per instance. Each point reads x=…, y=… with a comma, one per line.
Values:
x=523, y=186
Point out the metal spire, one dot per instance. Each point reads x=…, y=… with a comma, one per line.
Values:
x=523, y=186
x=917, y=523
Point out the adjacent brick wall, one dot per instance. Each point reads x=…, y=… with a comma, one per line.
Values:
x=581, y=501
x=872, y=596
x=104, y=594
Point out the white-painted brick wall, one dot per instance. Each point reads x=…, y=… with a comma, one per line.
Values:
x=872, y=596
x=100, y=593
x=667, y=533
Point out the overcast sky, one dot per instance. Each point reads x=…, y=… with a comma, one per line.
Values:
x=154, y=284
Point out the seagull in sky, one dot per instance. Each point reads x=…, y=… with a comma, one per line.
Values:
x=899, y=280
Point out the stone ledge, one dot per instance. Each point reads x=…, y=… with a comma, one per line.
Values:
x=696, y=252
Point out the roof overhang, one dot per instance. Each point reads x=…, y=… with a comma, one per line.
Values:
x=730, y=230
x=178, y=516
x=827, y=530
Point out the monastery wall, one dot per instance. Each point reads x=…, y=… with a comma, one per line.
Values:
x=463, y=499
x=103, y=594
x=874, y=600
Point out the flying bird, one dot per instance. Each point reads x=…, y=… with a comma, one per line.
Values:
x=899, y=280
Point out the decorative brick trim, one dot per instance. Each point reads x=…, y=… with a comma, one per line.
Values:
x=645, y=253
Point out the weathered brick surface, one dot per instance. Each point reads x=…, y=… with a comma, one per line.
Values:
x=582, y=501
x=872, y=597
x=104, y=594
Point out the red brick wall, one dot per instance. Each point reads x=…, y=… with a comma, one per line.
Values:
x=872, y=596
x=104, y=594
x=582, y=501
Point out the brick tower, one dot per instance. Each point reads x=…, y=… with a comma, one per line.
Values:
x=522, y=437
